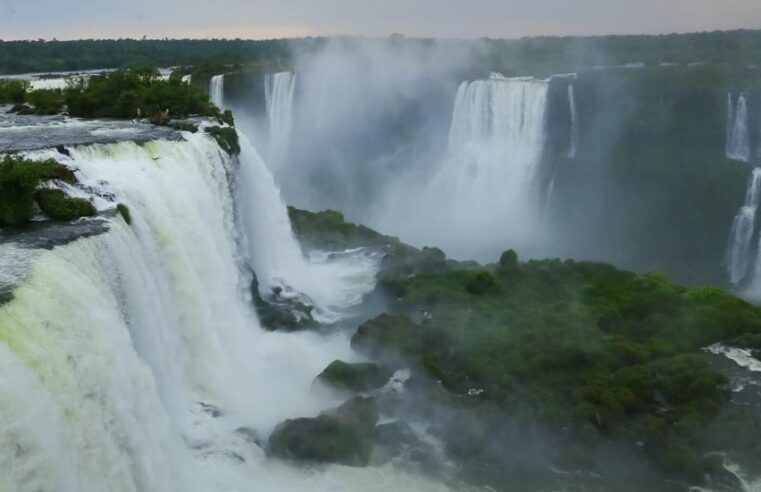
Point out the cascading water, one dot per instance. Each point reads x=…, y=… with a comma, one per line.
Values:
x=574, y=138
x=738, y=140
x=217, y=91
x=274, y=252
x=187, y=79
x=278, y=91
x=130, y=358
x=739, y=252
x=485, y=187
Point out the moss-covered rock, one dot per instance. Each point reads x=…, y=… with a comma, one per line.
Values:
x=123, y=210
x=359, y=377
x=343, y=435
x=19, y=178
x=56, y=205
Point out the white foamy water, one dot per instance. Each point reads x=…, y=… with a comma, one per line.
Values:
x=115, y=346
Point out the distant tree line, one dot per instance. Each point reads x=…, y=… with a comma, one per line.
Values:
x=528, y=55
x=56, y=56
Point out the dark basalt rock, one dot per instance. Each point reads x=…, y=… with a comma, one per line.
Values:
x=343, y=435
x=278, y=312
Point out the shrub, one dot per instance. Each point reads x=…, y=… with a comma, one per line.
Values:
x=13, y=91
x=46, y=101
x=479, y=283
x=137, y=93
x=19, y=178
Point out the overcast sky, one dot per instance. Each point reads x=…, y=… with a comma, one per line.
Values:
x=71, y=19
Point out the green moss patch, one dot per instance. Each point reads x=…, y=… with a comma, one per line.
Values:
x=58, y=206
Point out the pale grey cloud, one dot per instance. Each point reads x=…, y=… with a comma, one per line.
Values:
x=66, y=19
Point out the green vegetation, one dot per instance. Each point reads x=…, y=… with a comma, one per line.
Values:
x=344, y=435
x=137, y=94
x=605, y=360
x=45, y=101
x=123, y=210
x=56, y=205
x=329, y=230
x=19, y=180
x=12, y=91
x=50, y=56
x=226, y=137
x=357, y=377
x=602, y=353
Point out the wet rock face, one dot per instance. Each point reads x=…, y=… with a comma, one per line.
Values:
x=280, y=312
x=343, y=435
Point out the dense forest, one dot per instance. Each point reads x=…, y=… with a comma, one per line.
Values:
x=559, y=53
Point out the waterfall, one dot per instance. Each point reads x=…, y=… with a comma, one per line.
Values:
x=129, y=359
x=485, y=186
x=275, y=254
x=217, y=91
x=739, y=250
x=497, y=131
x=574, y=139
x=738, y=141
x=186, y=79
x=278, y=91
